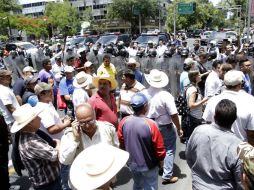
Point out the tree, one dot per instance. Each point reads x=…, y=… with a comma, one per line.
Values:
x=9, y=5
x=63, y=17
x=205, y=16
x=123, y=9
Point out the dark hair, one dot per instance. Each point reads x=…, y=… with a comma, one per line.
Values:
x=225, y=67
x=231, y=60
x=203, y=54
x=129, y=74
x=216, y=63
x=225, y=113
x=45, y=62
x=186, y=67
x=242, y=59
x=192, y=75
x=106, y=57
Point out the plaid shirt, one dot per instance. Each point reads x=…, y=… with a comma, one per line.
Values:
x=39, y=159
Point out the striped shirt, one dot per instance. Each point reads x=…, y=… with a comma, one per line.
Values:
x=39, y=158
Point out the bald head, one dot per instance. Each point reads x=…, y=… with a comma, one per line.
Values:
x=84, y=111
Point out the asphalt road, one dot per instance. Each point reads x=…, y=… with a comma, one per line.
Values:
x=124, y=179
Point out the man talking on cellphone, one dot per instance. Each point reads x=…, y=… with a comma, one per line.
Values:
x=85, y=131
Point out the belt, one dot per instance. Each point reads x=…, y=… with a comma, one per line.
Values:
x=167, y=125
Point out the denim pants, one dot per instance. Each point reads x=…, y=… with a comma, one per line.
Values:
x=147, y=180
x=64, y=172
x=168, y=133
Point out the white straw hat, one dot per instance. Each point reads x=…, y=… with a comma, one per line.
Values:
x=157, y=79
x=105, y=77
x=96, y=165
x=133, y=61
x=24, y=115
x=82, y=79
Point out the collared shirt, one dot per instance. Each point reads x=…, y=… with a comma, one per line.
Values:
x=161, y=106
x=211, y=154
x=39, y=159
x=7, y=97
x=212, y=84
x=69, y=148
x=245, y=115
x=111, y=70
x=139, y=76
x=184, y=81
x=125, y=97
x=66, y=86
x=102, y=110
x=247, y=83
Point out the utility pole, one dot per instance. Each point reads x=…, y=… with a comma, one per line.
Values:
x=174, y=21
x=248, y=25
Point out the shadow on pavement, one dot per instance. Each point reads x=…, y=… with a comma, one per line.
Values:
x=182, y=155
x=177, y=172
x=123, y=177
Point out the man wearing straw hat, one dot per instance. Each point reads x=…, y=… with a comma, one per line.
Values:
x=38, y=157
x=163, y=110
x=81, y=82
x=103, y=102
x=132, y=64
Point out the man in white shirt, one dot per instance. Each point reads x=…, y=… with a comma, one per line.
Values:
x=162, y=109
x=81, y=81
x=243, y=127
x=8, y=101
x=128, y=89
x=51, y=123
x=86, y=131
x=213, y=82
x=161, y=48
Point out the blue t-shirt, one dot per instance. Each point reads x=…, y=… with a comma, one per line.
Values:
x=139, y=76
x=66, y=87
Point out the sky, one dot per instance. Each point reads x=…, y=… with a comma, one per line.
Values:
x=215, y=2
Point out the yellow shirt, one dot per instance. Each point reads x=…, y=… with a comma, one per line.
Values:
x=111, y=70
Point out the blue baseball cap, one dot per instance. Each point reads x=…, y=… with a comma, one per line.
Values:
x=138, y=100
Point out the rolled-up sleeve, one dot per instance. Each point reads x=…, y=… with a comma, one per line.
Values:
x=68, y=149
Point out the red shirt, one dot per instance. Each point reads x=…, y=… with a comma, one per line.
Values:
x=102, y=110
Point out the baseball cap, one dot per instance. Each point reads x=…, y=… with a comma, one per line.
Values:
x=68, y=69
x=42, y=87
x=29, y=69
x=88, y=64
x=5, y=72
x=189, y=61
x=233, y=78
x=138, y=100
x=30, y=80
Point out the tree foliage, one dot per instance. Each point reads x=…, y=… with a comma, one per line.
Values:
x=61, y=15
x=205, y=16
x=123, y=9
x=9, y=5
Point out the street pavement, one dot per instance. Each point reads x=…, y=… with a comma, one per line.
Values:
x=124, y=178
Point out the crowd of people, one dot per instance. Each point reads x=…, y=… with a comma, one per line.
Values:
x=101, y=130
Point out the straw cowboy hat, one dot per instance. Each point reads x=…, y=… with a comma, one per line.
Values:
x=156, y=78
x=96, y=165
x=105, y=77
x=133, y=61
x=82, y=80
x=24, y=115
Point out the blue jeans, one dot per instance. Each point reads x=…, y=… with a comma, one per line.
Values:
x=168, y=133
x=64, y=172
x=147, y=180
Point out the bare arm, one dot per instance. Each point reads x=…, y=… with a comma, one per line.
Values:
x=19, y=99
x=54, y=129
x=192, y=103
x=67, y=97
x=250, y=137
x=10, y=108
x=175, y=120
